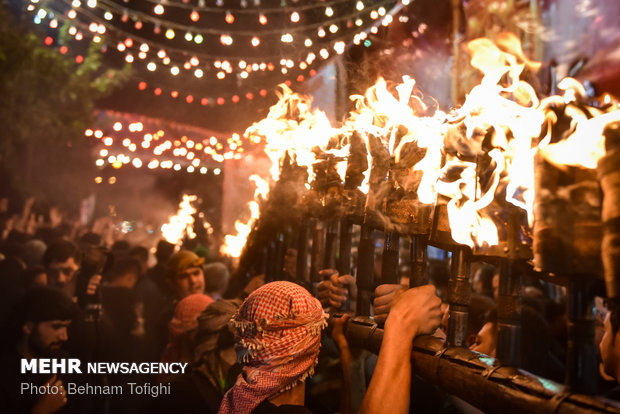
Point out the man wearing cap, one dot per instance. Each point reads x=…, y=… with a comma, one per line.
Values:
x=184, y=277
x=185, y=274
x=37, y=329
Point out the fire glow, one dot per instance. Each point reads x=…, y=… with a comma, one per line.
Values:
x=182, y=223
x=477, y=159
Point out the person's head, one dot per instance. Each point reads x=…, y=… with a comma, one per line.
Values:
x=90, y=239
x=478, y=310
x=213, y=330
x=483, y=280
x=125, y=272
x=185, y=274
x=62, y=261
x=610, y=343
x=163, y=251
x=141, y=254
x=214, y=342
x=439, y=276
x=535, y=340
x=486, y=339
x=33, y=251
x=216, y=279
x=120, y=248
x=41, y=319
x=182, y=327
x=278, y=335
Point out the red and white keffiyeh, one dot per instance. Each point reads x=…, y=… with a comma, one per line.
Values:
x=277, y=340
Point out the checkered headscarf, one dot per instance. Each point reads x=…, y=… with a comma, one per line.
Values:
x=277, y=340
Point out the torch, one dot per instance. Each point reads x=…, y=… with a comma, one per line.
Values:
x=567, y=242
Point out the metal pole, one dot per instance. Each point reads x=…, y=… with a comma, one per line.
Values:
x=318, y=247
x=389, y=259
x=481, y=380
x=581, y=356
x=365, y=270
x=458, y=297
x=331, y=235
x=302, y=251
x=509, y=315
x=344, y=248
x=418, y=262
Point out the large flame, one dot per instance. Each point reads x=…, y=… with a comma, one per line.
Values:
x=293, y=126
x=181, y=223
x=233, y=244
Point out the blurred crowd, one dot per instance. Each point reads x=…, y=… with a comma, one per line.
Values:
x=71, y=291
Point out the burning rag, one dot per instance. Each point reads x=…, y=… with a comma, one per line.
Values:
x=278, y=335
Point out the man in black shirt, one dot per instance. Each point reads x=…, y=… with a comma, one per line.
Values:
x=38, y=329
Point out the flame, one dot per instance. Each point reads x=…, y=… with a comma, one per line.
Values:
x=293, y=126
x=233, y=244
x=475, y=158
x=586, y=144
x=181, y=223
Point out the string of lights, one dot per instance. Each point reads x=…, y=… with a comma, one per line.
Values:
x=307, y=5
x=222, y=67
x=299, y=49
x=326, y=30
x=139, y=16
x=139, y=141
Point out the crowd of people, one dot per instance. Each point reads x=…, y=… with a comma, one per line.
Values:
x=69, y=292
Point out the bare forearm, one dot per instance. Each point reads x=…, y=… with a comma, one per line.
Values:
x=391, y=381
x=346, y=362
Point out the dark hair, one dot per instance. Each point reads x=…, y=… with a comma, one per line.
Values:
x=60, y=251
x=485, y=274
x=140, y=253
x=216, y=276
x=164, y=251
x=120, y=247
x=40, y=304
x=122, y=266
x=90, y=238
x=438, y=274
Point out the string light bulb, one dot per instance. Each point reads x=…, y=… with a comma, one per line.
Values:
x=230, y=19
x=159, y=9
x=226, y=40
x=287, y=38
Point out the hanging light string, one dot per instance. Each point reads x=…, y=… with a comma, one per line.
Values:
x=308, y=5
x=119, y=10
x=190, y=98
x=136, y=140
x=320, y=48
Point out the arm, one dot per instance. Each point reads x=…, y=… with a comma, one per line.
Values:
x=346, y=363
x=413, y=312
